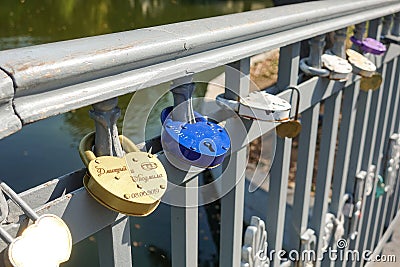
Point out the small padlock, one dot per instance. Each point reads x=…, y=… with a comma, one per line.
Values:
x=369, y=45
x=380, y=187
x=371, y=80
x=258, y=105
x=47, y=242
x=188, y=136
x=292, y=127
x=334, y=67
x=133, y=184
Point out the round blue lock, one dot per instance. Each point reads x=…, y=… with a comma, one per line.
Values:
x=200, y=143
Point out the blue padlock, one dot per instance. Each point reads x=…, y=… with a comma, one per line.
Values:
x=189, y=136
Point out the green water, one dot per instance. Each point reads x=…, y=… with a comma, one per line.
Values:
x=48, y=148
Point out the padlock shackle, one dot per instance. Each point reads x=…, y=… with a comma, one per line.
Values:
x=294, y=88
x=88, y=141
x=6, y=236
x=19, y=201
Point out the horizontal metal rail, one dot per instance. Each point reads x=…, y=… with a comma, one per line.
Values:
x=41, y=81
x=81, y=72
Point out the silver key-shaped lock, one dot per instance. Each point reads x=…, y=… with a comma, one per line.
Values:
x=48, y=240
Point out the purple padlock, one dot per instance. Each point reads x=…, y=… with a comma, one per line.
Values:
x=369, y=45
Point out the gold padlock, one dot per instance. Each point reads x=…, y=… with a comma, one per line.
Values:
x=371, y=83
x=133, y=184
x=370, y=79
x=291, y=128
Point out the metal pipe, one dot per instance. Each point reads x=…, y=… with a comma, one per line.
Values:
x=359, y=32
x=317, y=45
x=105, y=114
x=182, y=89
x=19, y=201
x=396, y=25
x=339, y=44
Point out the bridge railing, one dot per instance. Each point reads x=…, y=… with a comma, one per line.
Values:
x=41, y=81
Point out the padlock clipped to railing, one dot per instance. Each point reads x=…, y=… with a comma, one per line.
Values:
x=371, y=80
x=366, y=45
x=324, y=65
x=291, y=127
x=380, y=187
x=188, y=136
x=47, y=242
x=362, y=190
x=133, y=184
x=258, y=105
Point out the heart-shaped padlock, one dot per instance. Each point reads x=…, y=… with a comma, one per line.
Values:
x=201, y=143
x=292, y=127
x=133, y=184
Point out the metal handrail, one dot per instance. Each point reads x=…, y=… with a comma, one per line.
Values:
x=58, y=77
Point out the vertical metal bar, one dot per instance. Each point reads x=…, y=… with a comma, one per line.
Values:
x=304, y=174
x=347, y=125
x=378, y=124
x=359, y=31
x=232, y=209
x=317, y=45
x=365, y=113
x=105, y=114
x=114, y=244
x=359, y=136
x=184, y=226
x=339, y=45
x=390, y=130
x=279, y=174
x=345, y=143
x=396, y=24
x=237, y=83
x=387, y=21
x=232, y=204
x=288, y=65
x=325, y=166
x=366, y=159
x=379, y=146
x=395, y=196
x=357, y=148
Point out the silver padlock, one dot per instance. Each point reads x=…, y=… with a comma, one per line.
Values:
x=258, y=105
x=48, y=239
x=324, y=65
